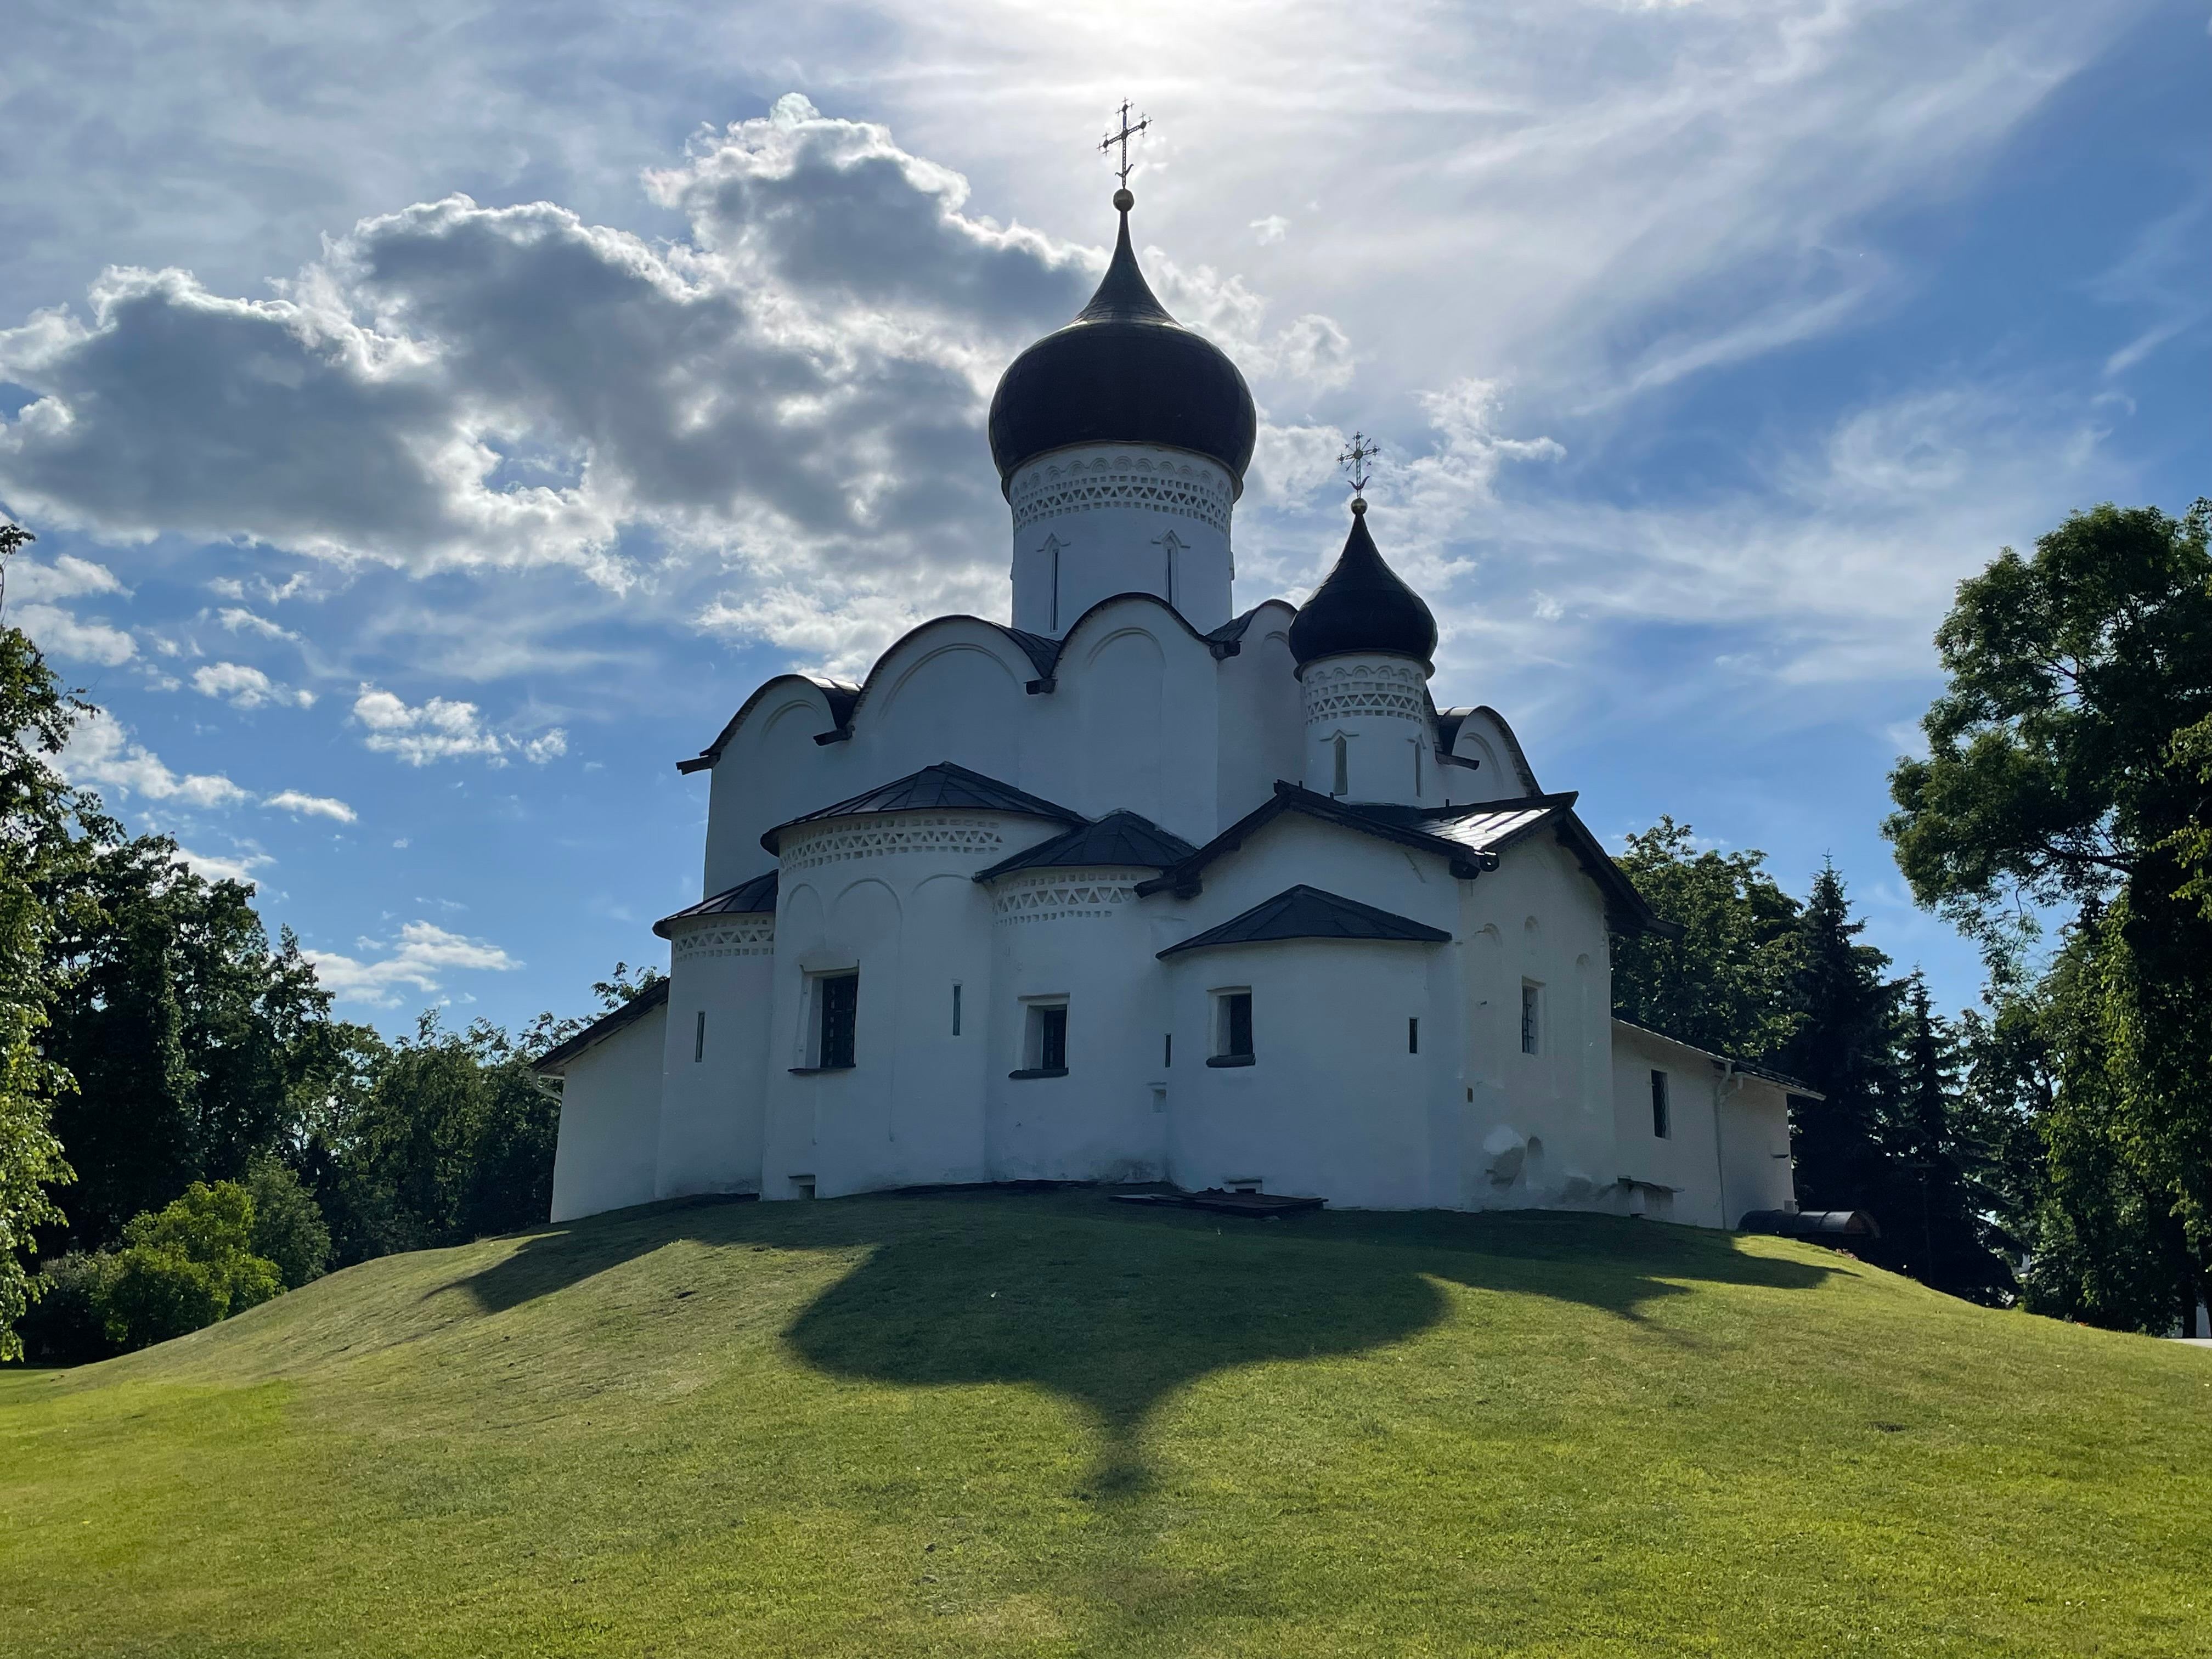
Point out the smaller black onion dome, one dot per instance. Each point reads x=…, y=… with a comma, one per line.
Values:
x=1123, y=371
x=1363, y=606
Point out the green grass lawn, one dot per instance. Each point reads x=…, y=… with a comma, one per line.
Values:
x=996, y=1424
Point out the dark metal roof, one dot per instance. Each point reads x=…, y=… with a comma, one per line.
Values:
x=1470, y=836
x=1450, y=720
x=604, y=1026
x=1120, y=839
x=1362, y=606
x=941, y=787
x=1303, y=912
x=1183, y=878
x=747, y=898
x=1123, y=371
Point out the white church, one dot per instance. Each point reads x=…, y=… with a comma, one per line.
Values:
x=1145, y=888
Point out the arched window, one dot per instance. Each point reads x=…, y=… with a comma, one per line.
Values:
x=1343, y=782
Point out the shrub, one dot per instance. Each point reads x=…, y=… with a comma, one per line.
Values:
x=187, y=1266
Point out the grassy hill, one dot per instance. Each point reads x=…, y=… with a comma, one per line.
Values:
x=983, y=1423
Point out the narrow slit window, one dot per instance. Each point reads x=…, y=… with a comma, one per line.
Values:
x=838, y=999
x=1341, y=783
x=955, y=1008
x=1530, y=1014
x=1661, y=1123
x=1167, y=1048
x=699, y=1039
x=1414, y=1034
x=1417, y=766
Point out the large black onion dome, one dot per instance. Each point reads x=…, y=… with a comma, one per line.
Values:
x=1123, y=371
x=1362, y=606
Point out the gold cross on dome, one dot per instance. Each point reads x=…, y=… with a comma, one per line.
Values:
x=1354, y=461
x=1122, y=138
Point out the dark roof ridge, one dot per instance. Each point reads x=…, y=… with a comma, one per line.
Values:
x=1750, y=1068
x=755, y=895
x=1466, y=862
x=1122, y=839
x=1304, y=911
x=971, y=791
x=604, y=1026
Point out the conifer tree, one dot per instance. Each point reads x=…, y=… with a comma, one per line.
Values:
x=1843, y=1008
x=1928, y=1202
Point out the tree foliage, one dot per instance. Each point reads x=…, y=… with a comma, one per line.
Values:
x=187, y=1265
x=1724, y=984
x=40, y=828
x=2070, y=769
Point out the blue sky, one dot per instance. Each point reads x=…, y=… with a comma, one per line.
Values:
x=436, y=422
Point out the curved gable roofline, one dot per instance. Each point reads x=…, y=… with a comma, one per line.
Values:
x=1042, y=651
x=838, y=696
x=1456, y=718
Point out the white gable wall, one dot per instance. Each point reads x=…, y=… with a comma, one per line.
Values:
x=604, y=1157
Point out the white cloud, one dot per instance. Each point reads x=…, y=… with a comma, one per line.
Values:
x=239, y=867
x=238, y=620
x=546, y=746
x=1272, y=229
x=99, y=754
x=443, y=728
x=243, y=687
x=421, y=959
x=64, y=578
x=306, y=805
x=66, y=635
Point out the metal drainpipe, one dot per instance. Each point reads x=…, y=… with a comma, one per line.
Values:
x=1732, y=1082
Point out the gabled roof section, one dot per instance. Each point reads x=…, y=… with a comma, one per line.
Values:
x=1183, y=878
x=1449, y=721
x=840, y=695
x=1471, y=837
x=751, y=897
x=1794, y=1085
x=941, y=787
x=1303, y=912
x=1122, y=840
x=553, y=1061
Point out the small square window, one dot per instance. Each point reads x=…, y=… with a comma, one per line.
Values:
x=1662, y=1118
x=1531, y=1017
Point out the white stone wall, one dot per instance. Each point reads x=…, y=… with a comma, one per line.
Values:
x=1135, y=722
x=606, y=1154
x=1078, y=935
x=894, y=898
x=1097, y=519
x=1727, y=1148
x=1377, y=707
x=713, y=1101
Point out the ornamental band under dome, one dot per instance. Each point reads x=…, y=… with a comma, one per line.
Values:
x=1145, y=888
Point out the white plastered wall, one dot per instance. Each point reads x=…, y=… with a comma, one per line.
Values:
x=1727, y=1148
x=606, y=1153
x=1135, y=720
x=1377, y=707
x=912, y=922
x=1092, y=520
x=714, y=1098
x=1080, y=935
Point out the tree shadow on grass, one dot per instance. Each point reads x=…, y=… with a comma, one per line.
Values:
x=1117, y=1308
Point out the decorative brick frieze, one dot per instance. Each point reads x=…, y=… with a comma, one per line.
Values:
x=1353, y=687
x=893, y=833
x=1065, y=895
x=1078, y=483
x=723, y=936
